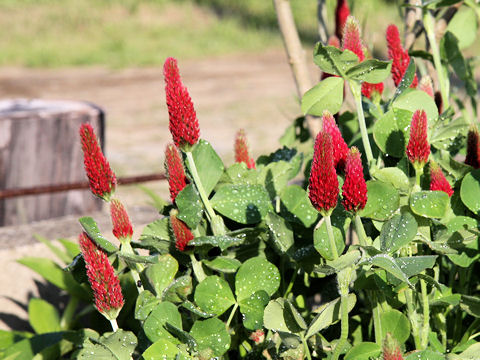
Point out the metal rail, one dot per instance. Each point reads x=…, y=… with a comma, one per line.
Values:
x=48, y=189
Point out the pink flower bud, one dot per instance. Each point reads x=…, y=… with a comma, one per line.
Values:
x=175, y=171
x=399, y=56
x=354, y=189
x=182, y=233
x=438, y=180
x=323, y=182
x=241, y=150
x=339, y=147
x=183, y=118
x=426, y=85
x=101, y=275
x=418, y=148
x=122, y=227
x=391, y=349
x=341, y=14
x=100, y=175
x=351, y=38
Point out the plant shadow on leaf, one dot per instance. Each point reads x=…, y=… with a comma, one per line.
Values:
x=253, y=214
x=395, y=141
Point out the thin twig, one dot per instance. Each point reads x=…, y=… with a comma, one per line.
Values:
x=296, y=56
x=322, y=25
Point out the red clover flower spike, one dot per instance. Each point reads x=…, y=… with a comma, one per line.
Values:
x=473, y=148
x=427, y=86
x=391, y=349
x=183, y=118
x=182, y=233
x=341, y=14
x=399, y=56
x=369, y=90
x=101, y=177
x=175, y=171
x=323, y=182
x=351, y=38
x=101, y=275
x=438, y=180
x=418, y=148
x=241, y=150
x=354, y=189
x=122, y=227
x=339, y=146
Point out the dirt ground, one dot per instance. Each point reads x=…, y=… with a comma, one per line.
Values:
x=254, y=92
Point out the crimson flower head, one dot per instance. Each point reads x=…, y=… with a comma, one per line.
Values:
x=391, y=349
x=175, y=171
x=339, y=146
x=341, y=14
x=354, y=189
x=182, y=233
x=418, y=148
x=101, y=177
x=122, y=227
x=241, y=150
x=101, y=275
x=438, y=180
x=183, y=118
x=323, y=182
x=399, y=56
x=426, y=85
x=369, y=90
x=473, y=148
x=351, y=38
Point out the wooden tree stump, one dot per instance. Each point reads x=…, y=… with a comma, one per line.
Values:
x=40, y=145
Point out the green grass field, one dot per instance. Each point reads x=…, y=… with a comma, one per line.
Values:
x=121, y=33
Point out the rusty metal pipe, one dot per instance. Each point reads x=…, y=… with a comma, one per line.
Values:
x=48, y=189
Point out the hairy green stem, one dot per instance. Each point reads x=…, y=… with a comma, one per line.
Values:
x=231, y=315
x=362, y=236
x=331, y=238
x=305, y=345
x=429, y=24
x=426, y=314
x=197, y=268
x=356, y=92
x=290, y=284
x=67, y=316
x=377, y=323
x=344, y=326
x=114, y=324
x=412, y=315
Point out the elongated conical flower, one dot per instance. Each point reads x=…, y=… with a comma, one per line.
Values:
x=354, y=189
x=175, y=171
x=418, y=148
x=183, y=119
x=426, y=85
x=339, y=146
x=182, y=233
x=351, y=38
x=323, y=182
x=101, y=275
x=438, y=180
x=399, y=56
x=341, y=14
x=241, y=150
x=369, y=90
x=122, y=227
x=100, y=175
x=391, y=349
x=473, y=148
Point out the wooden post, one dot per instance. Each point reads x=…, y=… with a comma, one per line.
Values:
x=40, y=145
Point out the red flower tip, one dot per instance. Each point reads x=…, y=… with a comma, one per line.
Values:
x=182, y=233
x=369, y=90
x=122, y=227
x=175, y=171
x=438, y=180
x=241, y=150
x=258, y=336
x=183, y=118
x=391, y=349
x=101, y=275
x=354, y=189
x=473, y=149
x=426, y=85
x=351, y=38
x=339, y=146
x=341, y=14
x=418, y=147
x=101, y=177
x=399, y=56
x=323, y=182
x=334, y=41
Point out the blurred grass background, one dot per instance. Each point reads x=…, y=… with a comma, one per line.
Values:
x=124, y=33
